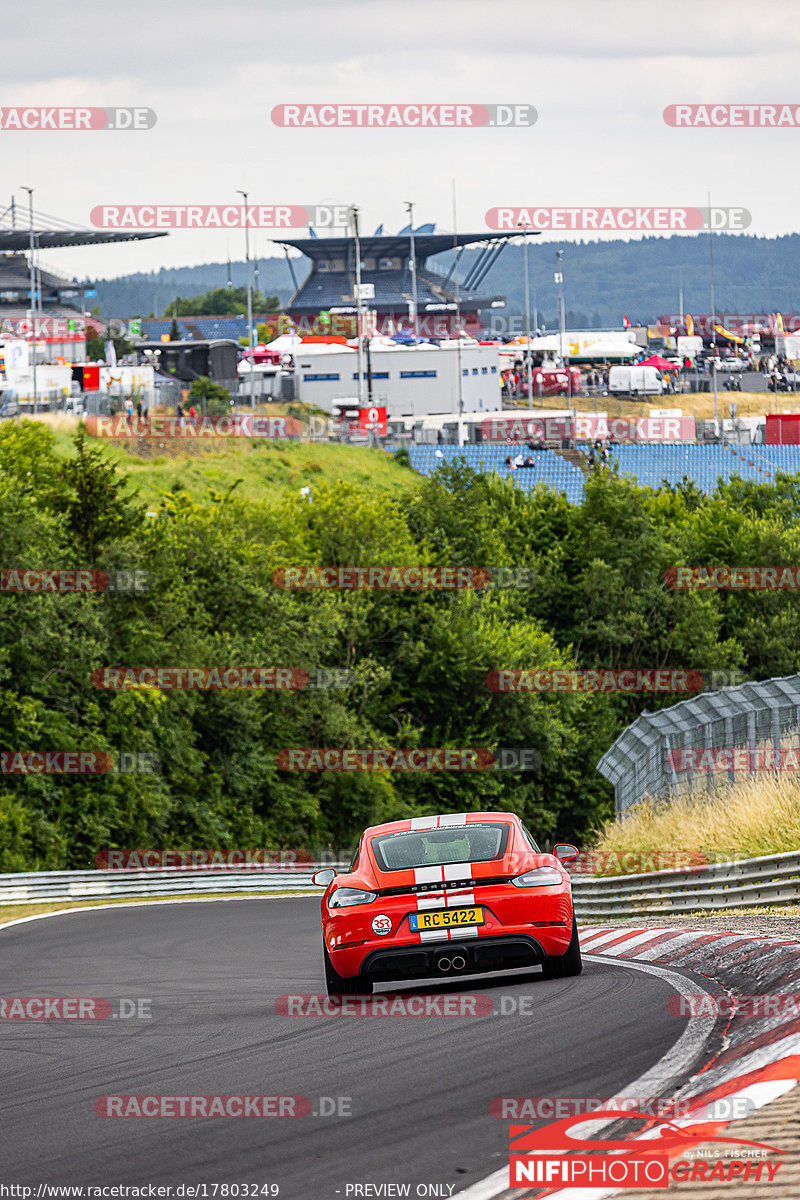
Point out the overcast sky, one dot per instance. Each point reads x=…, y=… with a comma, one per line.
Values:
x=599, y=75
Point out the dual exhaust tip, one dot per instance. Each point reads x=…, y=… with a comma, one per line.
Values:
x=446, y=963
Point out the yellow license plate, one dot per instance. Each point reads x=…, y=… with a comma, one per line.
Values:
x=446, y=918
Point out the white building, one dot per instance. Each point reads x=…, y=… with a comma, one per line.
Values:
x=411, y=381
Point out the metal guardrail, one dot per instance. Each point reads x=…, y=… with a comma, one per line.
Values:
x=772, y=879
x=32, y=886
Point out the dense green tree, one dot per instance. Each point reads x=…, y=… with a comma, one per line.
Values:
x=595, y=596
x=220, y=302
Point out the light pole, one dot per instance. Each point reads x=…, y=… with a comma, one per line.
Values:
x=412, y=264
x=458, y=324
x=33, y=297
x=359, y=342
x=714, y=320
x=559, y=279
x=529, y=369
x=249, y=298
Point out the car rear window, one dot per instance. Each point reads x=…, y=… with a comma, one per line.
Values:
x=435, y=847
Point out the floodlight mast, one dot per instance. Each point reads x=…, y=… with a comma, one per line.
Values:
x=33, y=295
x=249, y=298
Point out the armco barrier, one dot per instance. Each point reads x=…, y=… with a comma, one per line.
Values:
x=172, y=881
x=773, y=879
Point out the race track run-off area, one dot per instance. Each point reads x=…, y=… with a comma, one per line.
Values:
x=409, y=1096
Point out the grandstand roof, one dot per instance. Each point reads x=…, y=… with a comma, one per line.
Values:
x=425, y=244
x=49, y=239
x=324, y=289
x=52, y=232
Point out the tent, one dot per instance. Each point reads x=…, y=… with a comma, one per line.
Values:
x=660, y=364
x=597, y=350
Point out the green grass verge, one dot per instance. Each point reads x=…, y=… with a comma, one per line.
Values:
x=267, y=470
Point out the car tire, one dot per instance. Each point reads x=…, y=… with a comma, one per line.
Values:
x=560, y=966
x=338, y=985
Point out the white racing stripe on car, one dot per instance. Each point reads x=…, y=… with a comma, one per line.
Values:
x=461, y=870
x=467, y=931
x=443, y=873
x=424, y=822
x=453, y=819
x=428, y=875
x=446, y=900
x=432, y=935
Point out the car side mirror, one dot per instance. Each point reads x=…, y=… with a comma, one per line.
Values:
x=564, y=851
x=323, y=878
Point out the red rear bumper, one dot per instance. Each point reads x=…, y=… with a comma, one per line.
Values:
x=521, y=926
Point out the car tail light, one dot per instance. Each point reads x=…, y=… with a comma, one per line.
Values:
x=539, y=877
x=344, y=897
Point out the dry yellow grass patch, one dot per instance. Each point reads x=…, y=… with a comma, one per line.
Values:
x=758, y=816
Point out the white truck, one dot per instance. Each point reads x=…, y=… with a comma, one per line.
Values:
x=635, y=381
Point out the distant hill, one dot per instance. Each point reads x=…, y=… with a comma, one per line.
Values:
x=602, y=280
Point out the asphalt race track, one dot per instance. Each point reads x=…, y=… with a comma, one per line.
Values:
x=420, y=1088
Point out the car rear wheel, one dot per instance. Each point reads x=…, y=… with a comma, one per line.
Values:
x=562, y=965
x=338, y=985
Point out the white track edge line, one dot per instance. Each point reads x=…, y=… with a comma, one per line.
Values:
x=496, y=1184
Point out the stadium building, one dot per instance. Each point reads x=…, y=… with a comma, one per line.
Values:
x=394, y=275
x=59, y=302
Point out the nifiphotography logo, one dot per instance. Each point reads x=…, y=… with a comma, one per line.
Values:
x=554, y=1157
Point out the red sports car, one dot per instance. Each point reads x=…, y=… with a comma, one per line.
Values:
x=448, y=895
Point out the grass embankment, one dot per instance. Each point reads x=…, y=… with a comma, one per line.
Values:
x=758, y=816
x=267, y=470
